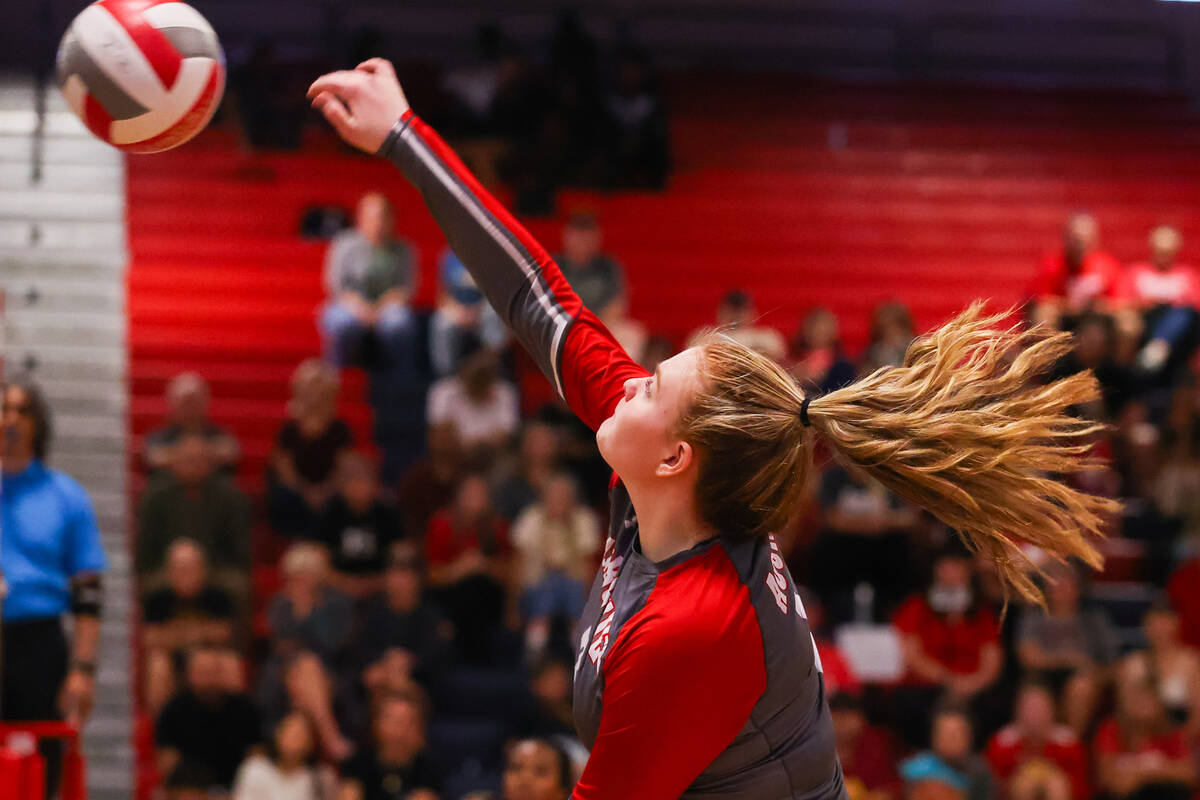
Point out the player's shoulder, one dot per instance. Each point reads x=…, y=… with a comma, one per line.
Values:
x=702, y=599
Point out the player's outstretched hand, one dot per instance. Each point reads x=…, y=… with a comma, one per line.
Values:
x=361, y=104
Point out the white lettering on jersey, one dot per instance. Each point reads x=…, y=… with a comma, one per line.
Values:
x=775, y=580
x=610, y=568
x=804, y=616
x=583, y=646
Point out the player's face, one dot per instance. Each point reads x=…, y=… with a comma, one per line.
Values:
x=532, y=773
x=637, y=441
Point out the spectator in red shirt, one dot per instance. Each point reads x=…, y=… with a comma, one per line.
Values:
x=866, y=752
x=1078, y=278
x=1033, y=757
x=1139, y=753
x=1167, y=293
x=951, y=645
x=469, y=558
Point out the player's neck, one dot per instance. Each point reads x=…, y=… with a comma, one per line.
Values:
x=667, y=520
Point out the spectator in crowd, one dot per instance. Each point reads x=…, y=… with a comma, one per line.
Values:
x=1186, y=600
x=187, y=399
x=472, y=87
x=188, y=611
x=428, y=485
x=1095, y=348
x=1166, y=292
x=396, y=764
x=194, y=501
x=865, y=536
x=52, y=564
x=550, y=711
x=866, y=752
x=462, y=323
x=310, y=629
x=301, y=471
x=736, y=318
x=480, y=404
x=537, y=461
x=596, y=276
x=307, y=615
x=1177, y=488
x=358, y=527
x=288, y=770
x=469, y=557
x=537, y=769
x=1139, y=753
x=1067, y=646
x=191, y=782
x=1033, y=756
x=639, y=142
x=557, y=542
x=1172, y=667
x=951, y=644
x=369, y=275
x=817, y=351
x=401, y=618
x=950, y=760
x=1079, y=278
x=210, y=724
x=891, y=334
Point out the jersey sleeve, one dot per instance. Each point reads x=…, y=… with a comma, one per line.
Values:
x=582, y=359
x=680, y=682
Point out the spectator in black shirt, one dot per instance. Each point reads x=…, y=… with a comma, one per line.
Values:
x=187, y=412
x=209, y=724
x=189, y=611
x=396, y=766
x=358, y=526
x=401, y=619
x=301, y=470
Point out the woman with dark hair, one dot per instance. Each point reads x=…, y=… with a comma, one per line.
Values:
x=696, y=673
x=537, y=769
x=288, y=770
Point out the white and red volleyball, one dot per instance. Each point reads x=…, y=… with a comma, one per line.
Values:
x=143, y=75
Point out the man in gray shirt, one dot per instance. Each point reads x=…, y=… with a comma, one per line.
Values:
x=369, y=278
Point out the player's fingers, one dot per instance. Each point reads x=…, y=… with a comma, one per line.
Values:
x=335, y=111
x=344, y=83
x=378, y=66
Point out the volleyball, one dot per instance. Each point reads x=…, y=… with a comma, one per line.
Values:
x=143, y=75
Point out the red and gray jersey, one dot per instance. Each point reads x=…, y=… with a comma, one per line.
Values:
x=697, y=676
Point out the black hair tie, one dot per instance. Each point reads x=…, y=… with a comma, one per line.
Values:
x=804, y=411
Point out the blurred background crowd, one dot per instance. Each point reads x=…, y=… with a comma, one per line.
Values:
x=421, y=618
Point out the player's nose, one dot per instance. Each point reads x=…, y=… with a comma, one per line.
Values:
x=630, y=388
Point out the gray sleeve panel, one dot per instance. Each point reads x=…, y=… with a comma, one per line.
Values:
x=501, y=263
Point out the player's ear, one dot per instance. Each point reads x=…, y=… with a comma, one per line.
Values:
x=677, y=460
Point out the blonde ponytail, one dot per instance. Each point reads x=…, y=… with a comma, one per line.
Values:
x=967, y=429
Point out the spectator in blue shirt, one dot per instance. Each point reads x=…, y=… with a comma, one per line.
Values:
x=51, y=561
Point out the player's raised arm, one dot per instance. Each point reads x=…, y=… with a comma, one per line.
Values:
x=588, y=368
